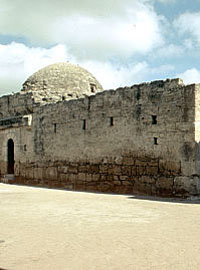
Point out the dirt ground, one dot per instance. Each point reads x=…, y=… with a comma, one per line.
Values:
x=56, y=229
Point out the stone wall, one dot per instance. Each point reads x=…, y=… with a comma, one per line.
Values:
x=59, y=131
x=16, y=104
x=16, y=123
x=138, y=139
x=129, y=175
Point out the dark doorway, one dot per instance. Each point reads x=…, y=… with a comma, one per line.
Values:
x=10, y=156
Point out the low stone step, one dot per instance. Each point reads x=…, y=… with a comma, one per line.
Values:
x=8, y=177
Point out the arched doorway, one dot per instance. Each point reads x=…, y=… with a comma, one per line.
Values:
x=10, y=156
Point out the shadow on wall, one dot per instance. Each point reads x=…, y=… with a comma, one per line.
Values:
x=197, y=157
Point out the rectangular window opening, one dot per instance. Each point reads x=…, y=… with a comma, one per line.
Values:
x=155, y=141
x=111, y=121
x=84, y=124
x=154, y=120
x=93, y=88
x=54, y=127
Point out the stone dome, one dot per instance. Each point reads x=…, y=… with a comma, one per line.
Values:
x=61, y=81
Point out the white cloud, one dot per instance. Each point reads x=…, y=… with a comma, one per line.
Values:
x=110, y=76
x=168, y=51
x=166, y=1
x=100, y=38
x=91, y=29
x=188, y=43
x=18, y=61
x=188, y=24
x=190, y=76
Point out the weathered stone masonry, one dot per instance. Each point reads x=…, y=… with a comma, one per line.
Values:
x=139, y=139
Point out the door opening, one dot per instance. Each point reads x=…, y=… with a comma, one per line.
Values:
x=10, y=156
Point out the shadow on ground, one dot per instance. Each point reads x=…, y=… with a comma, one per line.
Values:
x=189, y=200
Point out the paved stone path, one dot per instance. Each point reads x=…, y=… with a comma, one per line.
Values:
x=54, y=229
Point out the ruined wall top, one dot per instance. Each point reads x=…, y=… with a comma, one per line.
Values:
x=61, y=81
x=167, y=84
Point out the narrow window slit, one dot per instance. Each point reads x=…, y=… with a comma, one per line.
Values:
x=84, y=124
x=54, y=127
x=111, y=121
x=155, y=141
x=154, y=120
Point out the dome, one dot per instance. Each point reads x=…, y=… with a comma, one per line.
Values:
x=61, y=81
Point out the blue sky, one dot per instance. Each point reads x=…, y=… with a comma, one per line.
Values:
x=120, y=42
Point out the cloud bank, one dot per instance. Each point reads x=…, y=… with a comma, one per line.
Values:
x=90, y=29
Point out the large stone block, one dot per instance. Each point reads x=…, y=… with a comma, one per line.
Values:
x=72, y=169
x=29, y=173
x=118, y=183
x=84, y=168
x=169, y=168
x=165, y=184
x=96, y=177
x=104, y=187
x=88, y=177
x=82, y=176
x=94, y=168
x=63, y=177
x=103, y=169
x=140, y=162
x=134, y=170
x=3, y=167
x=142, y=188
x=39, y=173
x=151, y=170
x=51, y=173
x=124, y=177
x=128, y=160
x=153, y=163
x=114, y=170
x=186, y=185
x=91, y=186
x=73, y=177
x=128, y=183
x=68, y=186
x=126, y=170
x=147, y=179
x=141, y=171
x=62, y=169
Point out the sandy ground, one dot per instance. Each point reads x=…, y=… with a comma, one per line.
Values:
x=56, y=229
